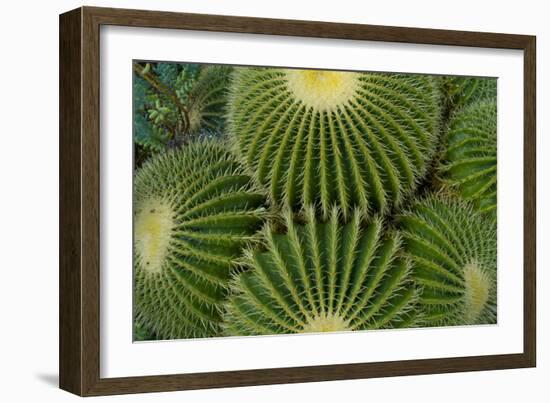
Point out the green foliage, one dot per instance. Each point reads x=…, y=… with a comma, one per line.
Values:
x=194, y=209
x=175, y=103
x=453, y=250
x=142, y=127
x=169, y=73
x=323, y=277
x=334, y=138
x=470, y=155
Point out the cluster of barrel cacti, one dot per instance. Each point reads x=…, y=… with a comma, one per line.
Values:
x=329, y=201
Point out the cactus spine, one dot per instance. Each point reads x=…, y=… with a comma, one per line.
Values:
x=208, y=98
x=328, y=138
x=470, y=157
x=323, y=276
x=463, y=91
x=453, y=250
x=194, y=210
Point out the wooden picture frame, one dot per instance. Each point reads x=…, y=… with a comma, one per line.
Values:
x=79, y=346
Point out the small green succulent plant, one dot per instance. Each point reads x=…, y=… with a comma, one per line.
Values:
x=469, y=162
x=323, y=276
x=325, y=138
x=453, y=250
x=194, y=210
x=176, y=103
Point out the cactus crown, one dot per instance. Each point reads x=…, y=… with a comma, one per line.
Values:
x=326, y=322
x=323, y=90
x=327, y=138
x=153, y=230
x=323, y=276
x=477, y=289
x=453, y=250
x=195, y=209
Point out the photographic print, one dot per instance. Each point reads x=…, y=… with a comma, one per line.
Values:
x=282, y=200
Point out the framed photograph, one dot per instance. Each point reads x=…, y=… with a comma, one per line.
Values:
x=249, y=201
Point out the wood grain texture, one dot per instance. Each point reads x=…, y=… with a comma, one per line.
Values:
x=80, y=196
x=70, y=275
x=530, y=203
x=90, y=202
x=316, y=29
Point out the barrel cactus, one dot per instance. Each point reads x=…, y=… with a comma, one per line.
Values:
x=208, y=98
x=470, y=155
x=194, y=210
x=453, y=250
x=463, y=91
x=326, y=138
x=323, y=276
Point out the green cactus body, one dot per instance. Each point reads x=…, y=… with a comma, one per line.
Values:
x=463, y=91
x=328, y=138
x=208, y=98
x=322, y=277
x=470, y=156
x=194, y=209
x=453, y=250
